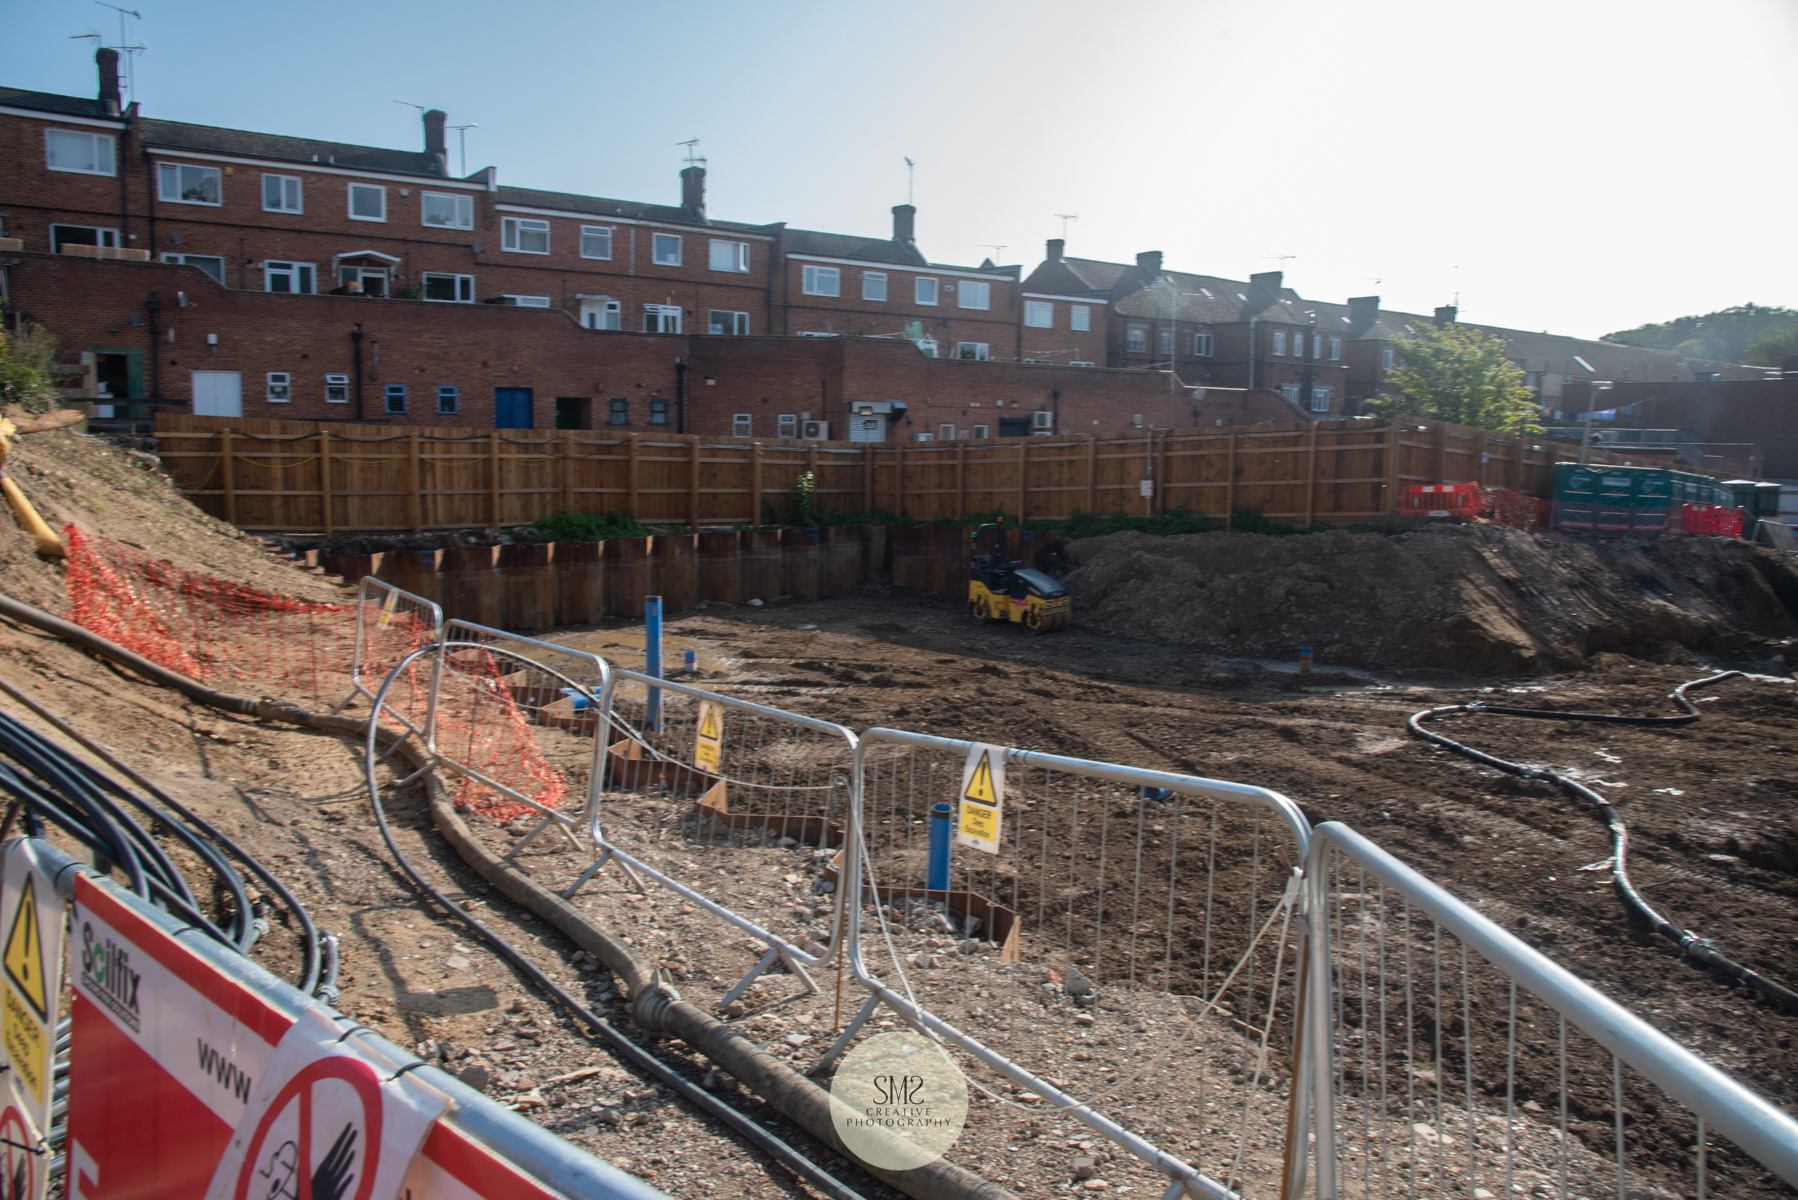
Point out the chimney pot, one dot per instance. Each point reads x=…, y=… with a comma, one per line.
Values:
x=1446, y=315
x=108, y=62
x=1271, y=280
x=1150, y=260
x=1056, y=246
x=692, y=192
x=905, y=224
x=436, y=144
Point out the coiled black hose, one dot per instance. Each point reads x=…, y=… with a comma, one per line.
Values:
x=1698, y=949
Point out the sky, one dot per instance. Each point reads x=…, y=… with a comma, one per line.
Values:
x=1577, y=166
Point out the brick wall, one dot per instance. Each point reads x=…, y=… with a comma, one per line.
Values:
x=1755, y=411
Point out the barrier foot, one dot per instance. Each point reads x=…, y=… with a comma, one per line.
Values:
x=798, y=968
x=388, y=753
x=848, y=1035
x=527, y=839
x=581, y=879
x=743, y=984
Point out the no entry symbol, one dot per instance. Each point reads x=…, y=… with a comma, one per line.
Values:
x=320, y=1139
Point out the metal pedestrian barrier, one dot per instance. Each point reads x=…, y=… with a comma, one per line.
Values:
x=390, y=624
x=1448, y=1056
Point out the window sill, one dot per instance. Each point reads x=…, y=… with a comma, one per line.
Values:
x=370, y=220
x=79, y=171
x=195, y=203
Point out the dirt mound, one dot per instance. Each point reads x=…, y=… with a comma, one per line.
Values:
x=124, y=494
x=1475, y=598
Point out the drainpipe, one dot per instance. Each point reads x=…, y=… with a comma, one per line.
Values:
x=680, y=395
x=154, y=304
x=1251, y=354
x=356, y=354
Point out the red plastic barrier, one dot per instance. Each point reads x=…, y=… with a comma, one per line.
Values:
x=1729, y=523
x=1440, y=500
x=1711, y=520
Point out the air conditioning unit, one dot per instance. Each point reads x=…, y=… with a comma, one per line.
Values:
x=1042, y=419
x=814, y=431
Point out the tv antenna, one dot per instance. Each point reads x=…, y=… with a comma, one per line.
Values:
x=693, y=158
x=462, y=140
x=910, y=166
x=1065, y=218
x=997, y=248
x=128, y=48
x=1281, y=257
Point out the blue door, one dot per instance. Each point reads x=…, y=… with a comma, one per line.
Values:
x=512, y=408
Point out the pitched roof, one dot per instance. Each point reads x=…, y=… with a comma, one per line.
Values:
x=50, y=102
x=600, y=206
x=842, y=245
x=179, y=135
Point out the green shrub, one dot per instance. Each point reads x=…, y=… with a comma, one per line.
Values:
x=589, y=527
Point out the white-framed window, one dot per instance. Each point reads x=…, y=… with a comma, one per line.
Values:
x=82, y=153
x=665, y=249
x=1290, y=391
x=1317, y=345
x=975, y=295
x=451, y=289
x=449, y=398
x=786, y=425
x=1201, y=345
x=1386, y=360
x=526, y=301
x=1279, y=342
x=974, y=351
x=1320, y=399
x=1165, y=342
x=978, y=431
x=924, y=290
x=1335, y=348
x=618, y=411
x=661, y=318
x=735, y=324
x=658, y=410
x=396, y=397
x=212, y=264
x=446, y=210
x=289, y=277
x=874, y=285
x=522, y=235
x=1136, y=340
x=1039, y=314
x=368, y=202
x=601, y=313
x=923, y=437
x=282, y=193
x=596, y=241
x=1082, y=364
x=730, y=256
x=280, y=387
x=337, y=389
x=81, y=235
x=367, y=281
x=945, y=433
x=1080, y=318
x=822, y=281
x=179, y=183
x=742, y=425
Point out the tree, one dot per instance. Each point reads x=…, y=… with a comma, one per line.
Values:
x=1767, y=349
x=25, y=360
x=1457, y=373
x=1724, y=335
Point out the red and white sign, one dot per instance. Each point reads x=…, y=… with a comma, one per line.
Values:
x=183, y=1080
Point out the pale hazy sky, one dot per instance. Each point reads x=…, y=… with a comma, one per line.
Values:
x=1573, y=165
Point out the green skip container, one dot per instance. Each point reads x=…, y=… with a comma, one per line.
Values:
x=1628, y=501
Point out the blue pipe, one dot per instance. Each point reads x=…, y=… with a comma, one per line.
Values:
x=652, y=653
x=938, y=878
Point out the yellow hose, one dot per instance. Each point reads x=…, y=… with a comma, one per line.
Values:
x=42, y=534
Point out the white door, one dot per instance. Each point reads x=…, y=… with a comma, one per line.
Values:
x=218, y=394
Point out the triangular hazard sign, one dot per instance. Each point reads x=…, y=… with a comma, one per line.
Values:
x=980, y=784
x=24, y=953
x=708, y=727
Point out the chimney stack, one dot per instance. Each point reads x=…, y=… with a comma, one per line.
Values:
x=692, y=192
x=108, y=61
x=1446, y=315
x=435, y=144
x=1364, y=314
x=904, y=224
x=1150, y=261
x=1056, y=246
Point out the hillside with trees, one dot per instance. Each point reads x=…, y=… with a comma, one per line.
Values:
x=1748, y=333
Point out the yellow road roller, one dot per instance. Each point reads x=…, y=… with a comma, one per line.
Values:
x=1010, y=591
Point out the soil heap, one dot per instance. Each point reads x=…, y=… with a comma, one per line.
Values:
x=1476, y=598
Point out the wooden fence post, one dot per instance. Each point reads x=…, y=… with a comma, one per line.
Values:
x=324, y=479
x=230, y=481
x=418, y=499
x=568, y=472
x=1092, y=475
x=693, y=484
x=1397, y=432
x=1311, y=489
x=755, y=483
x=899, y=482
x=493, y=478
x=1230, y=485
x=1161, y=473
x=631, y=474
x=961, y=481
x=1023, y=475
x=1441, y=452
x=867, y=479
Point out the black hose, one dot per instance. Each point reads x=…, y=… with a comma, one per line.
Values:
x=1698, y=949
x=739, y=1122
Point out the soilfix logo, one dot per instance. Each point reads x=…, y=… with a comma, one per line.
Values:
x=106, y=970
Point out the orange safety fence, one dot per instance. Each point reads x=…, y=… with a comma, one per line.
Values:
x=265, y=644
x=1502, y=506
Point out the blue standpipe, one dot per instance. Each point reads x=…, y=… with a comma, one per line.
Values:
x=652, y=654
x=938, y=879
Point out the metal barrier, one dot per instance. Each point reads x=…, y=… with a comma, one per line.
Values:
x=493, y=699
x=755, y=777
x=1447, y=1055
x=390, y=624
x=1169, y=891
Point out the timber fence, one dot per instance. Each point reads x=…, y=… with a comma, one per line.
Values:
x=326, y=478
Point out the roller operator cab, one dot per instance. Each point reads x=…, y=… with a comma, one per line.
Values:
x=1010, y=591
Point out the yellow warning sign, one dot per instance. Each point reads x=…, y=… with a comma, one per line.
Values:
x=393, y=598
x=982, y=798
x=708, y=745
x=25, y=953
